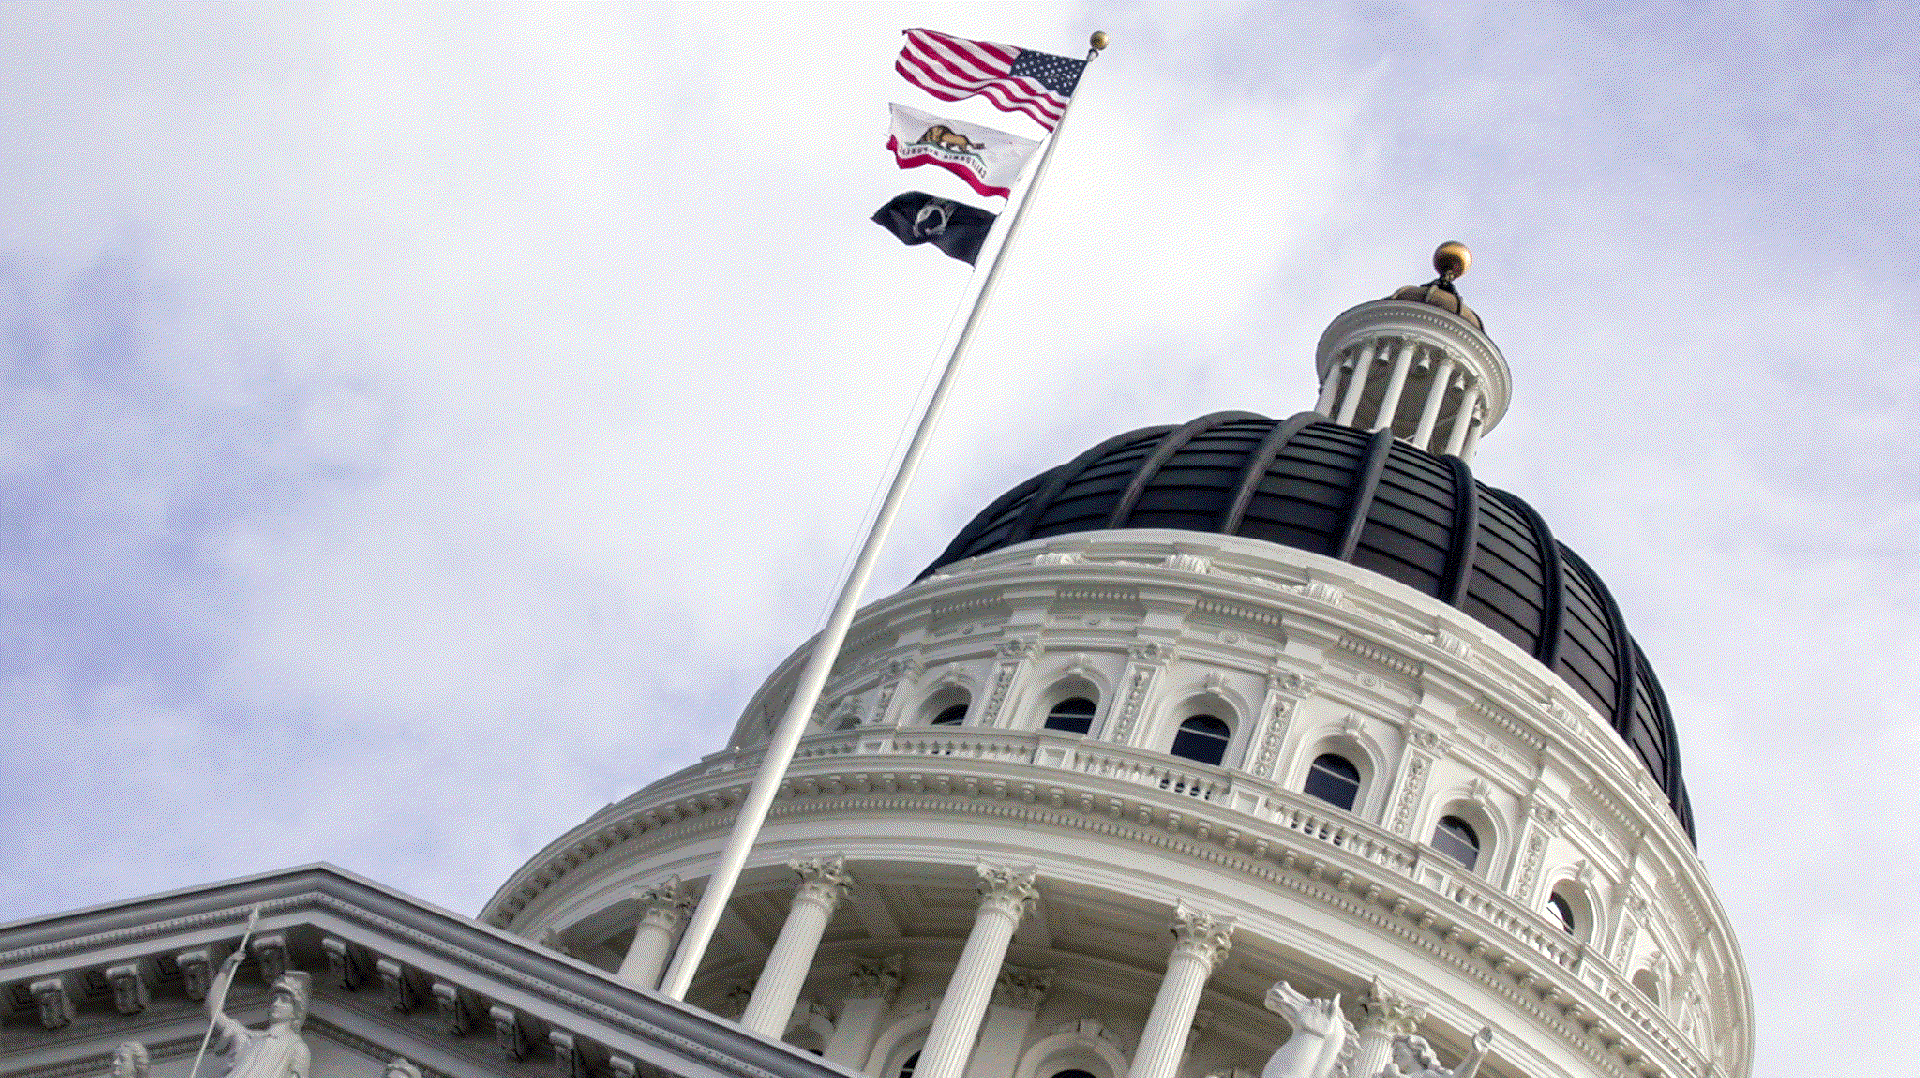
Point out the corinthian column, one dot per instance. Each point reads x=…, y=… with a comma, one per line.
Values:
x=1384, y=1015
x=661, y=909
x=1006, y=894
x=1200, y=941
x=823, y=882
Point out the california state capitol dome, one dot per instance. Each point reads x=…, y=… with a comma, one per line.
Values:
x=1208, y=707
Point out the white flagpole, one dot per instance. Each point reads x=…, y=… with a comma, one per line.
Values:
x=826, y=649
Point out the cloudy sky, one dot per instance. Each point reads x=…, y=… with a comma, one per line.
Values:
x=422, y=425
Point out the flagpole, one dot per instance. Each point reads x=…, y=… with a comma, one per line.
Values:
x=826, y=649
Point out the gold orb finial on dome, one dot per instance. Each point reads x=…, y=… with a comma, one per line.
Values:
x=1098, y=41
x=1451, y=260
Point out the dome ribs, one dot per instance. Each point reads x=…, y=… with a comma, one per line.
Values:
x=1271, y=447
x=1378, y=504
x=984, y=522
x=1170, y=444
x=1466, y=534
x=1368, y=481
x=1044, y=497
x=1625, y=669
x=1553, y=591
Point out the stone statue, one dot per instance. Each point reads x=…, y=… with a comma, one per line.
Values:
x=130, y=1060
x=1320, y=1042
x=1413, y=1057
x=277, y=1051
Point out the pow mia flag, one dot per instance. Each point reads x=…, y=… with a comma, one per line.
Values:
x=955, y=227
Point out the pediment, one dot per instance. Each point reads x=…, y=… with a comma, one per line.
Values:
x=392, y=977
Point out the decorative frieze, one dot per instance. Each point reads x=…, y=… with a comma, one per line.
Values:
x=1013, y=652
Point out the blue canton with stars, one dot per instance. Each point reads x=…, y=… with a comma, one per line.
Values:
x=1057, y=73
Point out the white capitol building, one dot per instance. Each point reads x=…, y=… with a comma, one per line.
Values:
x=1208, y=708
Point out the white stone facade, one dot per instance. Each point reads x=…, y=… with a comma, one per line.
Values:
x=1128, y=847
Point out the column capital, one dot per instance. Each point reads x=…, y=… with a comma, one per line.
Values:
x=1008, y=888
x=1201, y=934
x=822, y=879
x=663, y=904
x=1022, y=989
x=1388, y=1011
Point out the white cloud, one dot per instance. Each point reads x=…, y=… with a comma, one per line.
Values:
x=474, y=344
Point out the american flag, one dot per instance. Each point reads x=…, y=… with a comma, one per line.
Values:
x=1015, y=80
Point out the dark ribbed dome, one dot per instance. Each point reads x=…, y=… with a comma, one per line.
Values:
x=1375, y=502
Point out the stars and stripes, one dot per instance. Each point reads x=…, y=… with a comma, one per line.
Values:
x=1015, y=80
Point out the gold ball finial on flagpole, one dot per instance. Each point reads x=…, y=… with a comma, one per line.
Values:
x=1098, y=41
x=1451, y=260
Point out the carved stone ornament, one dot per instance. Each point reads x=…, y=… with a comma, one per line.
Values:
x=394, y=983
x=1325, y=592
x=1007, y=887
x=56, y=1006
x=1422, y=738
x=1413, y=1057
x=196, y=972
x=507, y=1033
x=665, y=904
x=1058, y=557
x=271, y=952
x=1186, y=563
x=343, y=966
x=131, y=1060
x=875, y=977
x=1201, y=934
x=822, y=879
x=129, y=988
x=567, y=1053
x=1150, y=651
x=453, y=1009
x=1018, y=647
x=1387, y=1011
x=1022, y=989
x=402, y=1067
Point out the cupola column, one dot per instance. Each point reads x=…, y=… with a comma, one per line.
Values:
x=1436, y=394
x=1006, y=894
x=1396, y=385
x=1363, y=361
x=1331, y=390
x=823, y=882
x=661, y=910
x=1201, y=940
x=870, y=988
x=1462, y=419
x=1473, y=435
x=1384, y=1015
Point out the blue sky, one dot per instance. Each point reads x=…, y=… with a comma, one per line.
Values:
x=395, y=396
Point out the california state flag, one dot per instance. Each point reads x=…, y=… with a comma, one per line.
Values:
x=990, y=161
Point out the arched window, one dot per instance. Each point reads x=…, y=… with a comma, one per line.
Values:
x=1074, y=1073
x=1454, y=837
x=908, y=1066
x=1562, y=911
x=1202, y=739
x=954, y=715
x=1074, y=715
x=1335, y=780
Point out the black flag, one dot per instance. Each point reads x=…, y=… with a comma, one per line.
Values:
x=954, y=227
